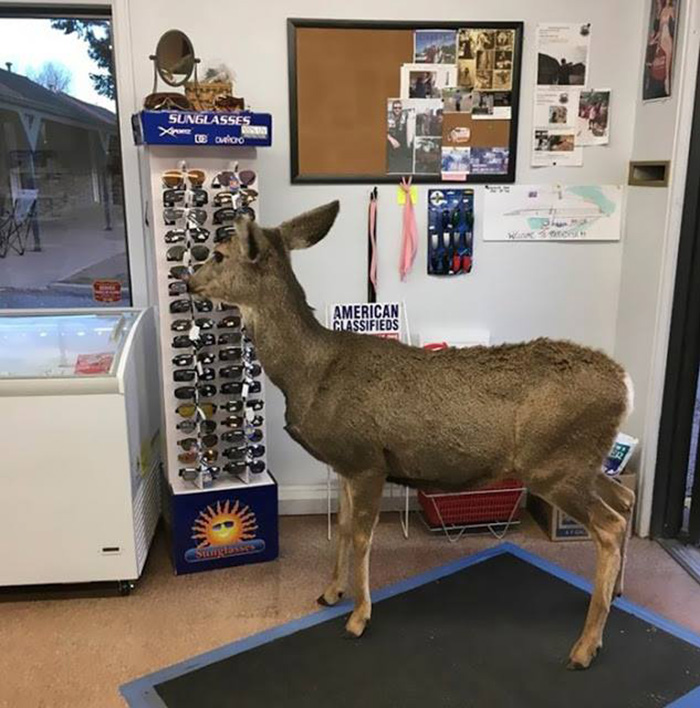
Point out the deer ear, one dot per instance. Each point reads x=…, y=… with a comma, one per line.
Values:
x=250, y=238
x=310, y=227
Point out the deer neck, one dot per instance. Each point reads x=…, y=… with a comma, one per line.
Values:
x=292, y=346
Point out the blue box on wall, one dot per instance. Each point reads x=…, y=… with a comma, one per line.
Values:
x=224, y=527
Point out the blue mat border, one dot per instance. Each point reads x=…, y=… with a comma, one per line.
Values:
x=141, y=692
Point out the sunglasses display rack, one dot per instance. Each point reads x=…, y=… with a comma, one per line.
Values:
x=213, y=381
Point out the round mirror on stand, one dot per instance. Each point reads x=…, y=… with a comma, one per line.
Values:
x=175, y=62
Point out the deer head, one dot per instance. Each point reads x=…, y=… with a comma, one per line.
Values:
x=239, y=267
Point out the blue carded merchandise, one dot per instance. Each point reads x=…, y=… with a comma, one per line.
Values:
x=236, y=129
x=450, y=231
x=224, y=527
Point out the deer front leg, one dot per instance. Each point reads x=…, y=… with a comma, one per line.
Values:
x=336, y=588
x=365, y=493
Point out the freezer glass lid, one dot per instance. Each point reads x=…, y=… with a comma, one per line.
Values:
x=62, y=346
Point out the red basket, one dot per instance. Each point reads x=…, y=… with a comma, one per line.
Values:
x=496, y=503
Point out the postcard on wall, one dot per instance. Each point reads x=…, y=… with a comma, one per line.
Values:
x=594, y=118
x=400, y=136
x=555, y=148
x=426, y=81
x=456, y=99
x=660, y=49
x=435, y=46
x=546, y=212
x=562, y=54
x=455, y=163
x=489, y=161
x=494, y=105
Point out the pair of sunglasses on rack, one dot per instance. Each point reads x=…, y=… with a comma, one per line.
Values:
x=194, y=443
x=175, y=179
x=167, y=101
x=202, y=426
x=237, y=421
x=186, y=306
x=198, y=197
x=189, y=359
x=177, y=253
x=203, y=390
x=171, y=215
x=194, y=456
x=221, y=216
x=239, y=467
x=190, y=474
x=235, y=197
x=205, y=339
x=188, y=410
x=243, y=451
x=198, y=235
x=233, y=179
x=184, y=375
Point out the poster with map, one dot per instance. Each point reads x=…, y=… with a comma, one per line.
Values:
x=548, y=212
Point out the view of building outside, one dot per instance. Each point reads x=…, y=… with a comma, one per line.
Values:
x=62, y=232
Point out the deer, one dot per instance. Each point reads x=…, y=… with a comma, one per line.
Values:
x=545, y=412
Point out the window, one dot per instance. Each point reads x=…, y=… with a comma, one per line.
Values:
x=62, y=224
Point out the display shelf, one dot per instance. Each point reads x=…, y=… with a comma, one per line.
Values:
x=180, y=486
x=202, y=128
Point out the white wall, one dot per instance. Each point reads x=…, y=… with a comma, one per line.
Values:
x=661, y=132
x=516, y=291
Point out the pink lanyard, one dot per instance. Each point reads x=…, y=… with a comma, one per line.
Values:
x=409, y=244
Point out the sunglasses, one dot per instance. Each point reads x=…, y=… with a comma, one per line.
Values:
x=224, y=233
x=175, y=236
x=204, y=305
x=231, y=372
x=247, y=177
x=255, y=405
x=230, y=338
x=167, y=101
x=256, y=422
x=180, y=306
x=256, y=450
x=255, y=435
x=199, y=197
x=233, y=436
x=177, y=288
x=226, y=179
x=182, y=341
x=205, y=374
x=198, y=234
x=235, y=453
x=181, y=325
x=194, y=443
x=231, y=354
x=233, y=421
x=176, y=178
x=190, y=474
x=233, y=388
x=203, y=390
x=235, y=468
x=246, y=211
x=203, y=426
x=223, y=215
x=171, y=215
x=194, y=456
x=206, y=357
x=256, y=466
x=183, y=360
x=226, y=102
x=224, y=199
x=231, y=322
x=254, y=387
x=177, y=253
x=171, y=197
x=183, y=272
x=232, y=406
x=204, y=322
x=253, y=370
x=187, y=410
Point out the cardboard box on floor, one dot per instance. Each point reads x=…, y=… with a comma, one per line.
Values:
x=560, y=527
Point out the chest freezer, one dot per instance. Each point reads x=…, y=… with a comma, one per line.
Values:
x=79, y=446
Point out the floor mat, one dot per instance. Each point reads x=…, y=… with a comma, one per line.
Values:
x=492, y=630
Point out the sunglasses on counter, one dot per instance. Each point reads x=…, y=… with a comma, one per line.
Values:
x=204, y=322
x=229, y=338
x=203, y=426
x=233, y=388
x=232, y=406
x=187, y=410
x=230, y=322
x=205, y=374
x=194, y=456
x=235, y=453
x=171, y=197
x=171, y=215
x=224, y=233
x=177, y=306
x=176, y=178
x=177, y=253
x=190, y=474
x=167, y=101
x=179, y=287
x=203, y=390
x=235, y=468
x=182, y=360
x=256, y=466
x=175, y=236
x=183, y=272
x=206, y=357
x=182, y=341
x=231, y=372
x=194, y=443
x=199, y=197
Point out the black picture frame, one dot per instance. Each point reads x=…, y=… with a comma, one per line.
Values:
x=296, y=178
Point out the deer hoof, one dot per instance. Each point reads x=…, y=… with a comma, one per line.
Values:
x=328, y=599
x=356, y=626
x=581, y=657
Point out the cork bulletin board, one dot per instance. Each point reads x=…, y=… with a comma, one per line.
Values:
x=372, y=101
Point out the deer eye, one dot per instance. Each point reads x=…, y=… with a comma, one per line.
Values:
x=218, y=256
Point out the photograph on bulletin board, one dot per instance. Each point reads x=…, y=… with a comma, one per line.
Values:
x=370, y=101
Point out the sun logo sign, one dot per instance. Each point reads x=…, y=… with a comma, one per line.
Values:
x=223, y=530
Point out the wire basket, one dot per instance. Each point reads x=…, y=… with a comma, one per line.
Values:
x=497, y=504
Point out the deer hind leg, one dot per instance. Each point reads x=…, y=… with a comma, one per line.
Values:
x=621, y=500
x=365, y=493
x=607, y=527
x=339, y=580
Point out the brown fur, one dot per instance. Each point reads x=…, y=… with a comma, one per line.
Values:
x=543, y=411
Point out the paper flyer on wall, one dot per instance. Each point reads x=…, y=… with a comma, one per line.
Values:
x=552, y=212
x=555, y=124
x=563, y=54
x=426, y=80
x=593, y=126
x=435, y=46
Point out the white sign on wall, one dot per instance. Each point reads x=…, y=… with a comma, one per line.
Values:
x=382, y=319
x=548, y=212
